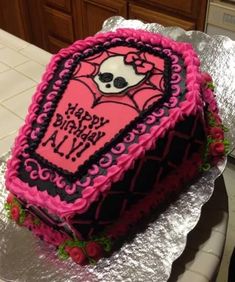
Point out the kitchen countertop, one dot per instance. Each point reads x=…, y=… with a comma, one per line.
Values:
x=21, y=68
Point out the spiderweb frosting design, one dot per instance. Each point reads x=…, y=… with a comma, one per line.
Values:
x=123, y=71
x=106, y=92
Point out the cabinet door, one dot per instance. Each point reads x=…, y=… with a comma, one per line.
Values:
x=194, y=10
x=58, y=24
x=58, y=28
x=147, y=15
x=52, y=28
x=12, y=18
x=92, y=13
x=63, y=5
x=186, y=7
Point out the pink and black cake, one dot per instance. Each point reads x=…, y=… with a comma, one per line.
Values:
x=120, y=123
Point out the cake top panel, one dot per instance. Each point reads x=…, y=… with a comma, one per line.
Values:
x=106, y=93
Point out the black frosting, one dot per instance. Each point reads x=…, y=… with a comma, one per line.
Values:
x=189, y=137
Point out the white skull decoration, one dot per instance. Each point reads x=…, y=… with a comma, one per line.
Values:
x=115, y=76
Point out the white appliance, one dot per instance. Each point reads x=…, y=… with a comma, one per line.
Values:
x=221, y=18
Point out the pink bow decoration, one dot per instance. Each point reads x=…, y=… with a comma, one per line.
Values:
x=140, y=65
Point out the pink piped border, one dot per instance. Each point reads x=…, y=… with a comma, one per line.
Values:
x=173, y=183
x=190, y=105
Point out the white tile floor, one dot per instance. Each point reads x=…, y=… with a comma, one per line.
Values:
x=12, y=83
x=229, y=177
x=21, y=66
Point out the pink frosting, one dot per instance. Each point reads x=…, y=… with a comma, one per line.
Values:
x=101, y=184
x=48, y=234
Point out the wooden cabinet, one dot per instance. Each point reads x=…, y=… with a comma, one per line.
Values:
x=55, y=24
x=58, y=24
x=94, y=13
x=64, y=21
x=63, y=5
x=12, y=18
x=186, y=7
x=191, y=11
x=146, y=15
x=58, y=29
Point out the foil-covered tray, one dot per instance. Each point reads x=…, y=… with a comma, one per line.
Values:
x=152, y=252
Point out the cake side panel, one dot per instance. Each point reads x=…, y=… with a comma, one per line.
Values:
x=172, y=154
x=175, y=149
x=164, y=191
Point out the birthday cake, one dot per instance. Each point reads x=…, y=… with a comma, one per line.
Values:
x=120, y=123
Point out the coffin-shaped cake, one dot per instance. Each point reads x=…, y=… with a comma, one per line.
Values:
x=120, y=123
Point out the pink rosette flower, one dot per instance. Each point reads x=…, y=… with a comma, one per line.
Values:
x=15, y=213
x=217, y=133
x=94, y=250
x=67, y=249
x=56, y=238
x=217, y=149
x=206, y=78
x=213, y=106
x=208, y=95
x=28, y=222
x=217, y=118
x=78, y=255
x=10, y=198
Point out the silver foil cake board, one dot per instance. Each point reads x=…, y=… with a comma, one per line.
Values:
x=151, y=253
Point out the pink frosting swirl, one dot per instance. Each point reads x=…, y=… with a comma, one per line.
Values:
x=105, y=161
x=118, y=149
x=70, y=189
x=151, y=119
x=129, y=138
x=93, y=170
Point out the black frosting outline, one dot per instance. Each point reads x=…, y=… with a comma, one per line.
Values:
x=82, y=170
